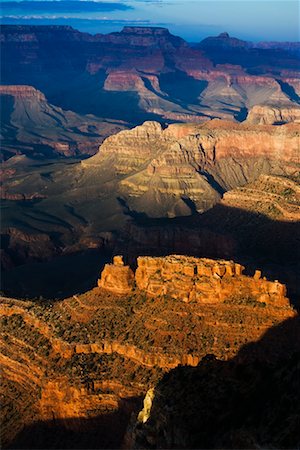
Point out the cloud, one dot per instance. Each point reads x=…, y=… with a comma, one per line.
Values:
x=62, y=6
x=84, y=24
x=53, y=17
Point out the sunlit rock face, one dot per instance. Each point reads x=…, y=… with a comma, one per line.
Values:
x=117, y=277
x=191, y=279
x=165, y=170
x=263, y=115
x=85, y=363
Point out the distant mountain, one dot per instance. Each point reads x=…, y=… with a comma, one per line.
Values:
x=224, y=41
x=292, y=47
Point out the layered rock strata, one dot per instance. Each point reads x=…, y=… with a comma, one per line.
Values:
x=22, y=91
x=167, y=171
x=192, y=279
x=269, y=115
x=222, y=77
x=31, y=125
x=84, y=363
x=117, y=277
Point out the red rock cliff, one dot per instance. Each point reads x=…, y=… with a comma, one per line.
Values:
x=192, y=279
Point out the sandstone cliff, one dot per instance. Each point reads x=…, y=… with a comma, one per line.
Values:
x=191, y=279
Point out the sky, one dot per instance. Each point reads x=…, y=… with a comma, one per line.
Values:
x=252, y=20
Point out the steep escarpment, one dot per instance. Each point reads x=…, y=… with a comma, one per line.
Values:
x=193, y=163
x=32, y=126
x=84, y=363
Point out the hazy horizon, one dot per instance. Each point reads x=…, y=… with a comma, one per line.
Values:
x=193, y=20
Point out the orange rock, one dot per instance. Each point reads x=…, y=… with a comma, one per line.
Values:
x=192, y=279
x=118, y=261
x=117, y=278
x=257, y=275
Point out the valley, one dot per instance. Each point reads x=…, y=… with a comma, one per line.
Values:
x=202, y=189
x=144, y=73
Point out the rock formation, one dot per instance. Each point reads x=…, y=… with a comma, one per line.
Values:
x=225, y=42
x=270, y=115
x=23, y=92
x=219, y=189
x=84, y=363
x=161, y=168
x=117, y=277
x=157, y=72
x=30, y=125
x=274, y=196
x=191, y=279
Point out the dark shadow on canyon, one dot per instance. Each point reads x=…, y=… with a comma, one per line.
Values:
x=100, y=432
x=250, y=401
x=251, y=239
x=58, y=278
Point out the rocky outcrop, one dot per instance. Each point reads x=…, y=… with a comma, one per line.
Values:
x=22, y=91
x=161, y=172
x=63, y=362
x=148, y=37
x=117, y=277
x=124, y=81
x=274, y=196
x=33, y=126
x=224, y=42
x=160, y=168
x=272, y=115
x=145, y=413
x=192, y=279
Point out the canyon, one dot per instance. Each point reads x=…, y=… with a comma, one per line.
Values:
x=85, y=363
x=218, y=189
x=146, y=73
x=150, y=208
